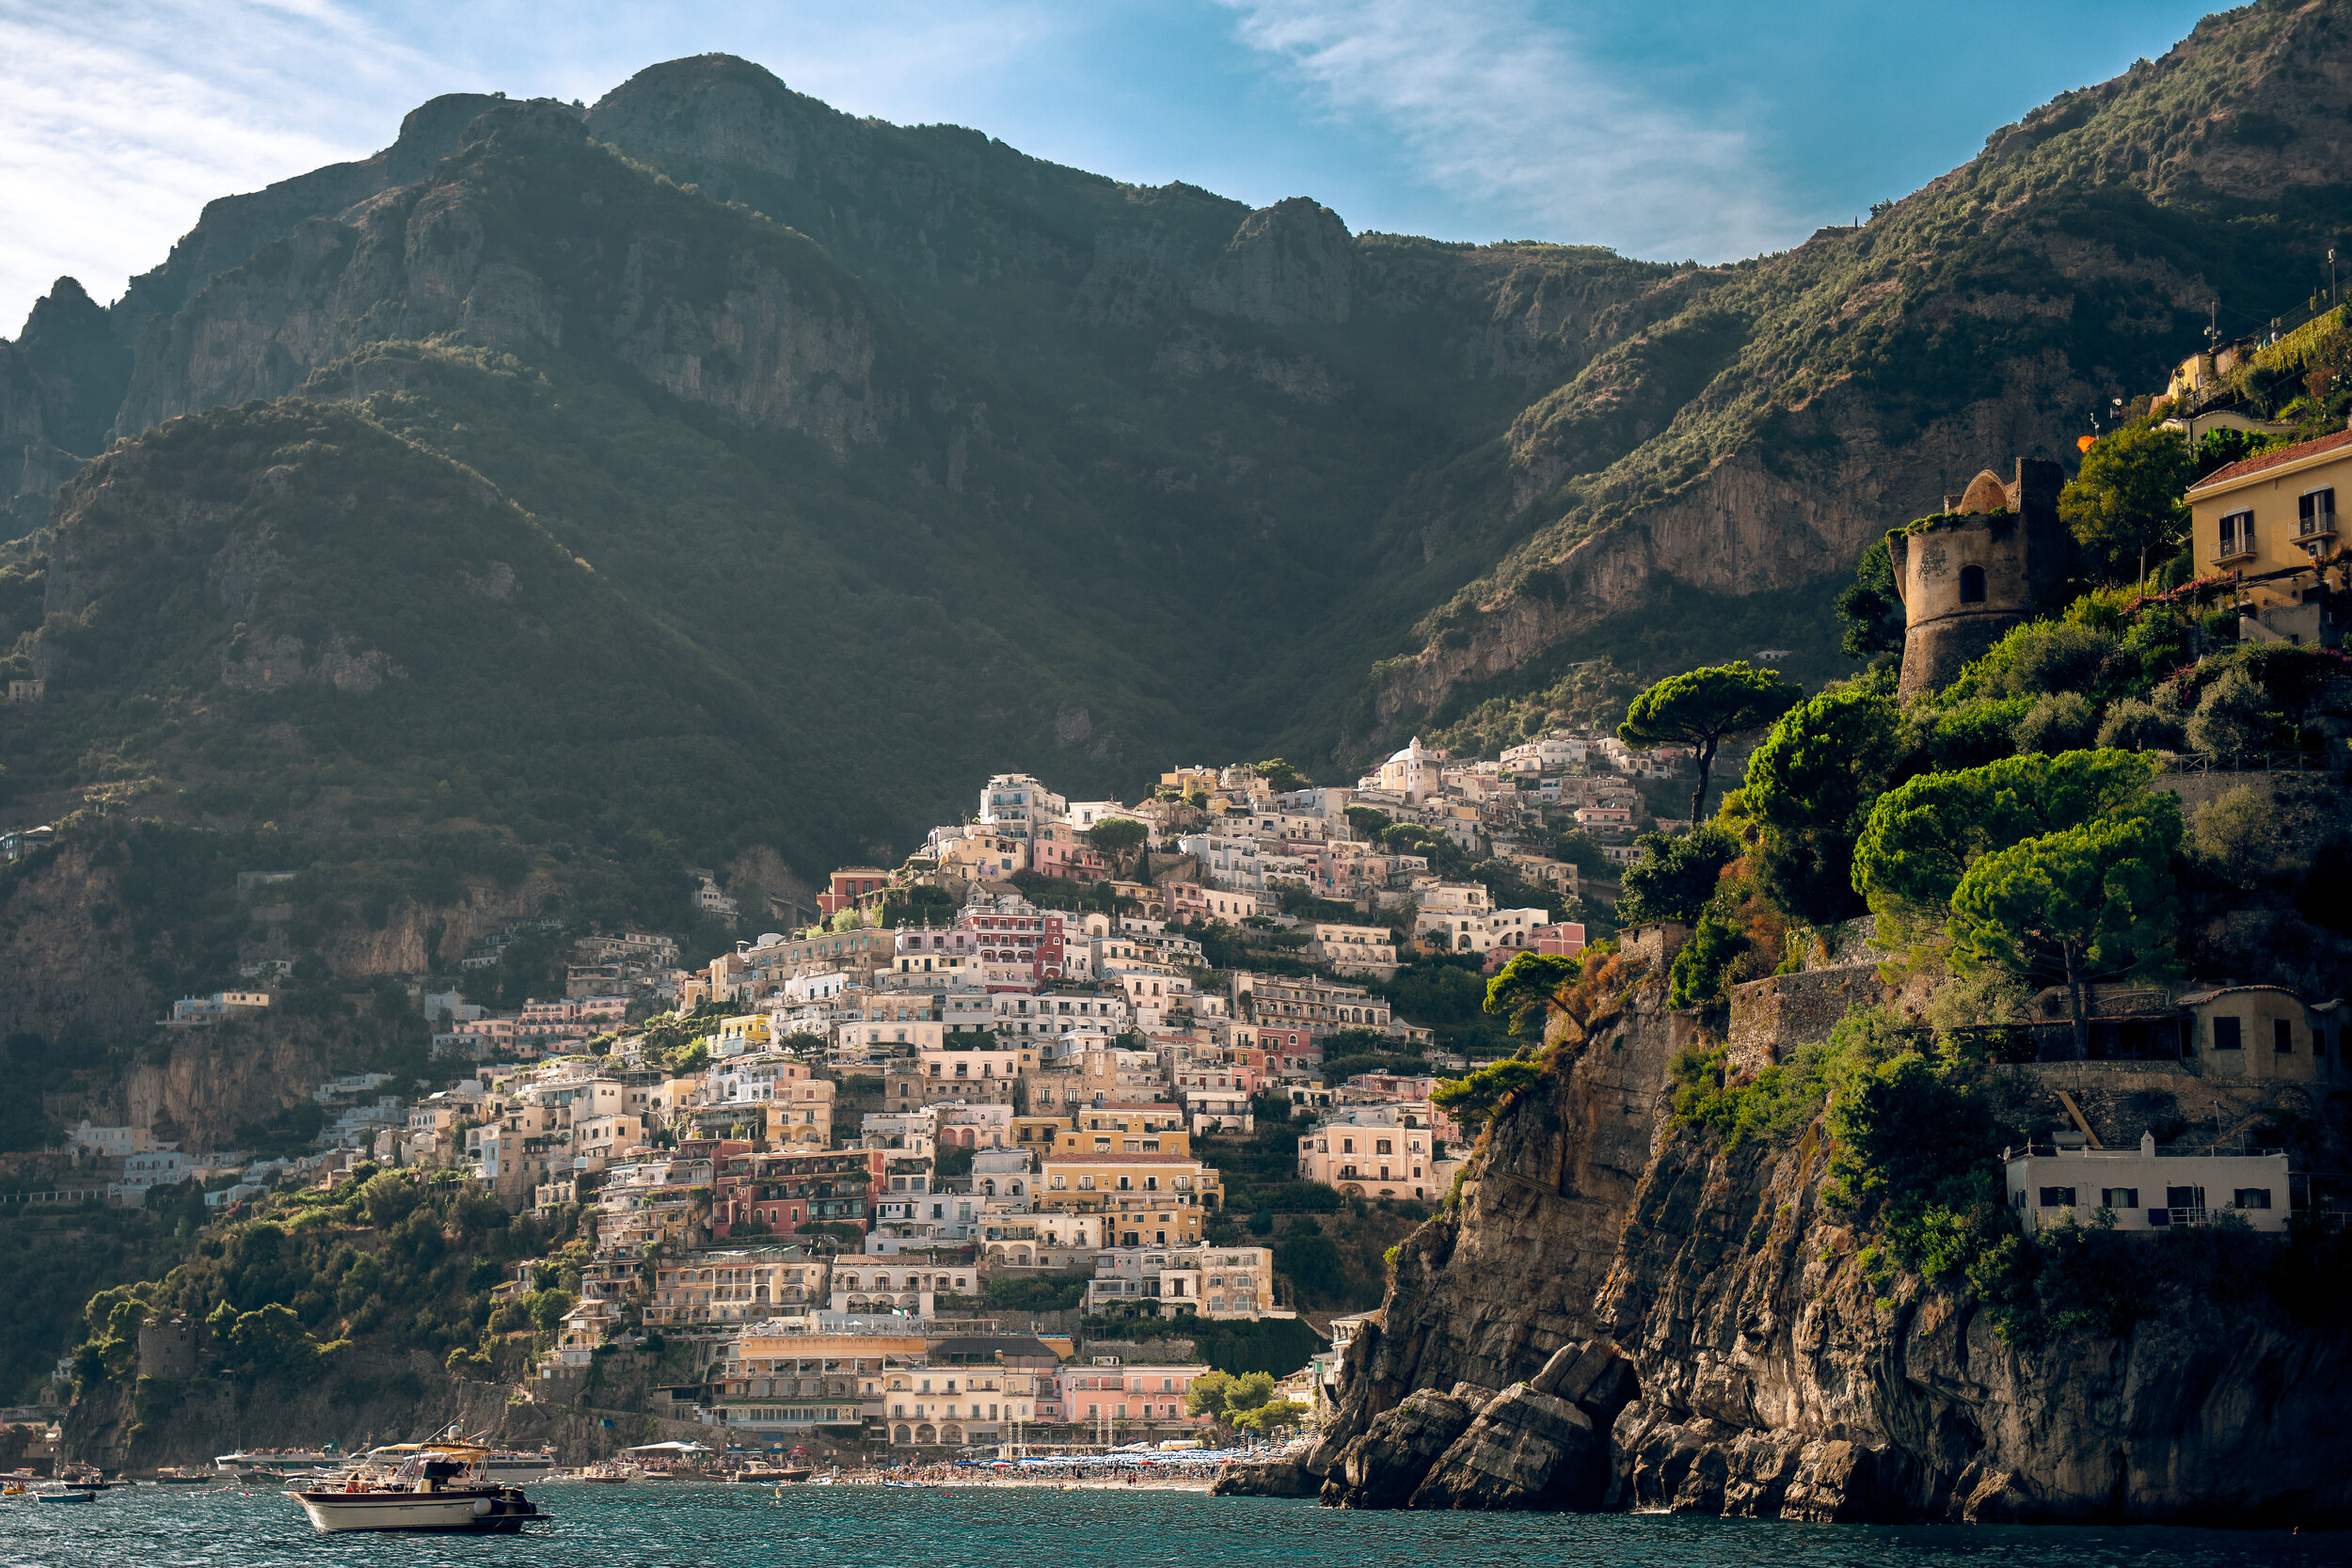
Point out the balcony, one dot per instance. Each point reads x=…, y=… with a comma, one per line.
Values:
x=2318, y=525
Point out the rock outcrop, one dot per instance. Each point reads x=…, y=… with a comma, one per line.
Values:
x=1778, y=1381
x=1526, y=1450
x=1730, y=1351
x=1383, y=1467
x=767, y=330
x=1488, y=1291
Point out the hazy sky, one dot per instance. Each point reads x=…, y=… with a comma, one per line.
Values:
x=1694, y=128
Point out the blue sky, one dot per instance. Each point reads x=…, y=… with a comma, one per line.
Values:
x=1703, y=129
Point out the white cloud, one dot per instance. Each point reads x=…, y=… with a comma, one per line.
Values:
x=1503, y=108
x=120, y=118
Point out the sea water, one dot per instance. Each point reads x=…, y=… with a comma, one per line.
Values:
x=657, y=1524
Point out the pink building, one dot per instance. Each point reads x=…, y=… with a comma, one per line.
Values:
x=1154, y=1394
x=1058, y=849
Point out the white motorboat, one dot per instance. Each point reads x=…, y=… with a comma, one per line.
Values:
x=280, y=1460
x=438, y=1486
x=507, y=1466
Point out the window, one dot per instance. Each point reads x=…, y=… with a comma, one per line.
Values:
x=2237, y=536
x=2315, y=512
x=2225, y=1037
x=2057, y=1198
x=2281, y=1037
x=1972, y=585
x=2185, y=1197
x=2250, y=1197
x=2119, y=1197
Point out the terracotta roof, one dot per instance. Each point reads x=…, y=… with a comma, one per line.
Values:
x=2261, y=461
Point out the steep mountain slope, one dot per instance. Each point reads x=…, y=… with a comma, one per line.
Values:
x=289, y=585
x=846, y=503
x=79, y=358
x=1817, y=397
x=955, y=455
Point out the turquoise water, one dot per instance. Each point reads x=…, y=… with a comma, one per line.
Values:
x=862, y=1527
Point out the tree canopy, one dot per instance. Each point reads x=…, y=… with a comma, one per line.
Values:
x=1471, y=1101
x=2126, y=500
x=1531, y=981
x=1871, y=611
x=1809, y=789
x=1676, y=876
x=1281, y=775
x=1116, y=835
x=1923, y=835
x=1699, y=708
x=2091, y=900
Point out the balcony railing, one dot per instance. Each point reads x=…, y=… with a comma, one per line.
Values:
x=2319, y=524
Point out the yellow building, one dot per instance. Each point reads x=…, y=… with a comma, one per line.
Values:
x=1142, y=1199
x=2270, y=521
x=1124, y=1129
x=744, y=1031
x=773, y=1383
x=800, y=1115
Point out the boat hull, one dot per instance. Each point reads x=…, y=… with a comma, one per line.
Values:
x=470, y=1511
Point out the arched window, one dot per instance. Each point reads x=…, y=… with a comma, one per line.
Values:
x=1972, y=585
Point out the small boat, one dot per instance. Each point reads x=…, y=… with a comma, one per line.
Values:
x=75, y=1496
x=437, y=1486
x=180, y=1476
x=605, y=1475
x=773, y=1475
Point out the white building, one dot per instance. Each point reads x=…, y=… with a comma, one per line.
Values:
x=1211, y=1281
x=1412, y=773
x=2144, y=1190
x=1013, y=803
x=1545, y=754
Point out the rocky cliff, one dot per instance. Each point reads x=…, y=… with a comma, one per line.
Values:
x=1841, y=388
x=1623, y=1313
x=1778, y=1381
x=363, y=1398
x=762, y=328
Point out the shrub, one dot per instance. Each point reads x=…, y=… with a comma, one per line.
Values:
x=2037, y=658
x=1777, y=1103
x=2232, y=832
x=2233, y=716
x=2058, y=721
x=2136, y=725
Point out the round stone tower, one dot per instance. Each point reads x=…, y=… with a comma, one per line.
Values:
x=1978, y=568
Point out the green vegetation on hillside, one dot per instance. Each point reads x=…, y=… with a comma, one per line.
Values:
x=383, y=1258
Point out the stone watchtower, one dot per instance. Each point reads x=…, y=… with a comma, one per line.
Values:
x=1970, y=574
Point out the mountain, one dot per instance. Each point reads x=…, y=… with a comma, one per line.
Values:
x=899, y=457
x=1804, y=403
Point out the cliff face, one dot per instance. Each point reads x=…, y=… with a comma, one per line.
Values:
x=1775, y=1383
x=1488, y=1291
x=363, y=1399
x=1841, y=388
x=66, y=948
x=1708, y=1316
x=765, y=330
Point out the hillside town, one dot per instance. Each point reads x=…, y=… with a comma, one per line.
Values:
x=1025, y=1053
